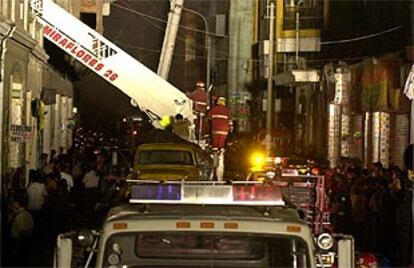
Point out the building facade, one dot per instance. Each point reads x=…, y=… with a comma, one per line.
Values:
x=333, y=115
x=27, y=82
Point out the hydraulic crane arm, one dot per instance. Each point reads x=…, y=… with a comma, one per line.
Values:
x=154, y=95
x=170, y=37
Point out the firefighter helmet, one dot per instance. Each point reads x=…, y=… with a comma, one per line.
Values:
x=221, y=101
x=200, y=84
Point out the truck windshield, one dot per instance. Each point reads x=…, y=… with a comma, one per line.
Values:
x=165, y=157
x=201, y=249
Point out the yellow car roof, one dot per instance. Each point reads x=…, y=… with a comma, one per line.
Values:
x=167, y=146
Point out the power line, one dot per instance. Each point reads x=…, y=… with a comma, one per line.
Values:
x=361, y=37
x=333, y=42
x=164, y=21
x=146, y=17
x=175, y=53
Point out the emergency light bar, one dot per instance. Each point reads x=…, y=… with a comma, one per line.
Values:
x=236, y=194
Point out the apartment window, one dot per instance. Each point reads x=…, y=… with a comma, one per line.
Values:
x=190, y=49
x=311, y=14
x=16, y=114
x=5, y=7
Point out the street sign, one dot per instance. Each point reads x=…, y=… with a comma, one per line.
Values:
x=20, y=133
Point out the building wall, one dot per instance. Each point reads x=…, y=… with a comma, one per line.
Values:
x=22, y=57
x=23, y=60
x=57, y=131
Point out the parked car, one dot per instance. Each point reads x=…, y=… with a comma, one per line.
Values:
x=172, y=161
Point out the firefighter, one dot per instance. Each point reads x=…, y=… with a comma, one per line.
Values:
x=220, y=123
x=199, y=98
x=220, y=126
x=200, y=102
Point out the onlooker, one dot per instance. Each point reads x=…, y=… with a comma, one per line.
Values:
x=36, y=192
x=65, y=175
x=92, y=192
x=42, y=161
x=21, y=223
x=91, y=180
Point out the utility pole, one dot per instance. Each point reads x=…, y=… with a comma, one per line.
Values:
x=169, y=38
x=270, y=80
x=208, y=47
x=99, y=16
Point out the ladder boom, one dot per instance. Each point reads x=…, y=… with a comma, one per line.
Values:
x=154, y=95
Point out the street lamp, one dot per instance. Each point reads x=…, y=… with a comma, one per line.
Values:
x=208, y=41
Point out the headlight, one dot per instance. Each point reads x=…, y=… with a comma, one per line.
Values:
x=85, y=238
x=325, y=241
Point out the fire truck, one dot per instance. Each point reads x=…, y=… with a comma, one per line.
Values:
x=300, y=183
x=181, y=224
x=210, y=224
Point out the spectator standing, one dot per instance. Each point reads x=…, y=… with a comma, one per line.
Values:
x=65, y=175
x=91, y=180
x=92, y=191
x=42, y=161
x=36, y=196
x=21, y=222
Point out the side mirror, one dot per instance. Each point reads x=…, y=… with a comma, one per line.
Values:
x=63, y=251
x=346, y=256
x=65, y=244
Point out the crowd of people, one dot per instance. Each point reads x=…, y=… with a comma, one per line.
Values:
x=374, y=205
x=61, y=195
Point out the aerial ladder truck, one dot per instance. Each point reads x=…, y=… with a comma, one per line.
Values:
x=155, y=96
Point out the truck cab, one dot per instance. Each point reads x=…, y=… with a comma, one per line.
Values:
x=201, y=225
x=172, y=161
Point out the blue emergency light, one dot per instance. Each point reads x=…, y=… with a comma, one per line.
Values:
x=256, y=194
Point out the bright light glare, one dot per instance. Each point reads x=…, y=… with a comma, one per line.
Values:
x=278, y=160
x=258, y=160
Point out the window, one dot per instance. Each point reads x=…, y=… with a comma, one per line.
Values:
x=165, y=157
x=190, y=49
x=205, y=249
x=311, y=14
x=16, y=115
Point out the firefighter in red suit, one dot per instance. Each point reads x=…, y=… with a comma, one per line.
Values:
x=220, y=123
x=199, y=98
